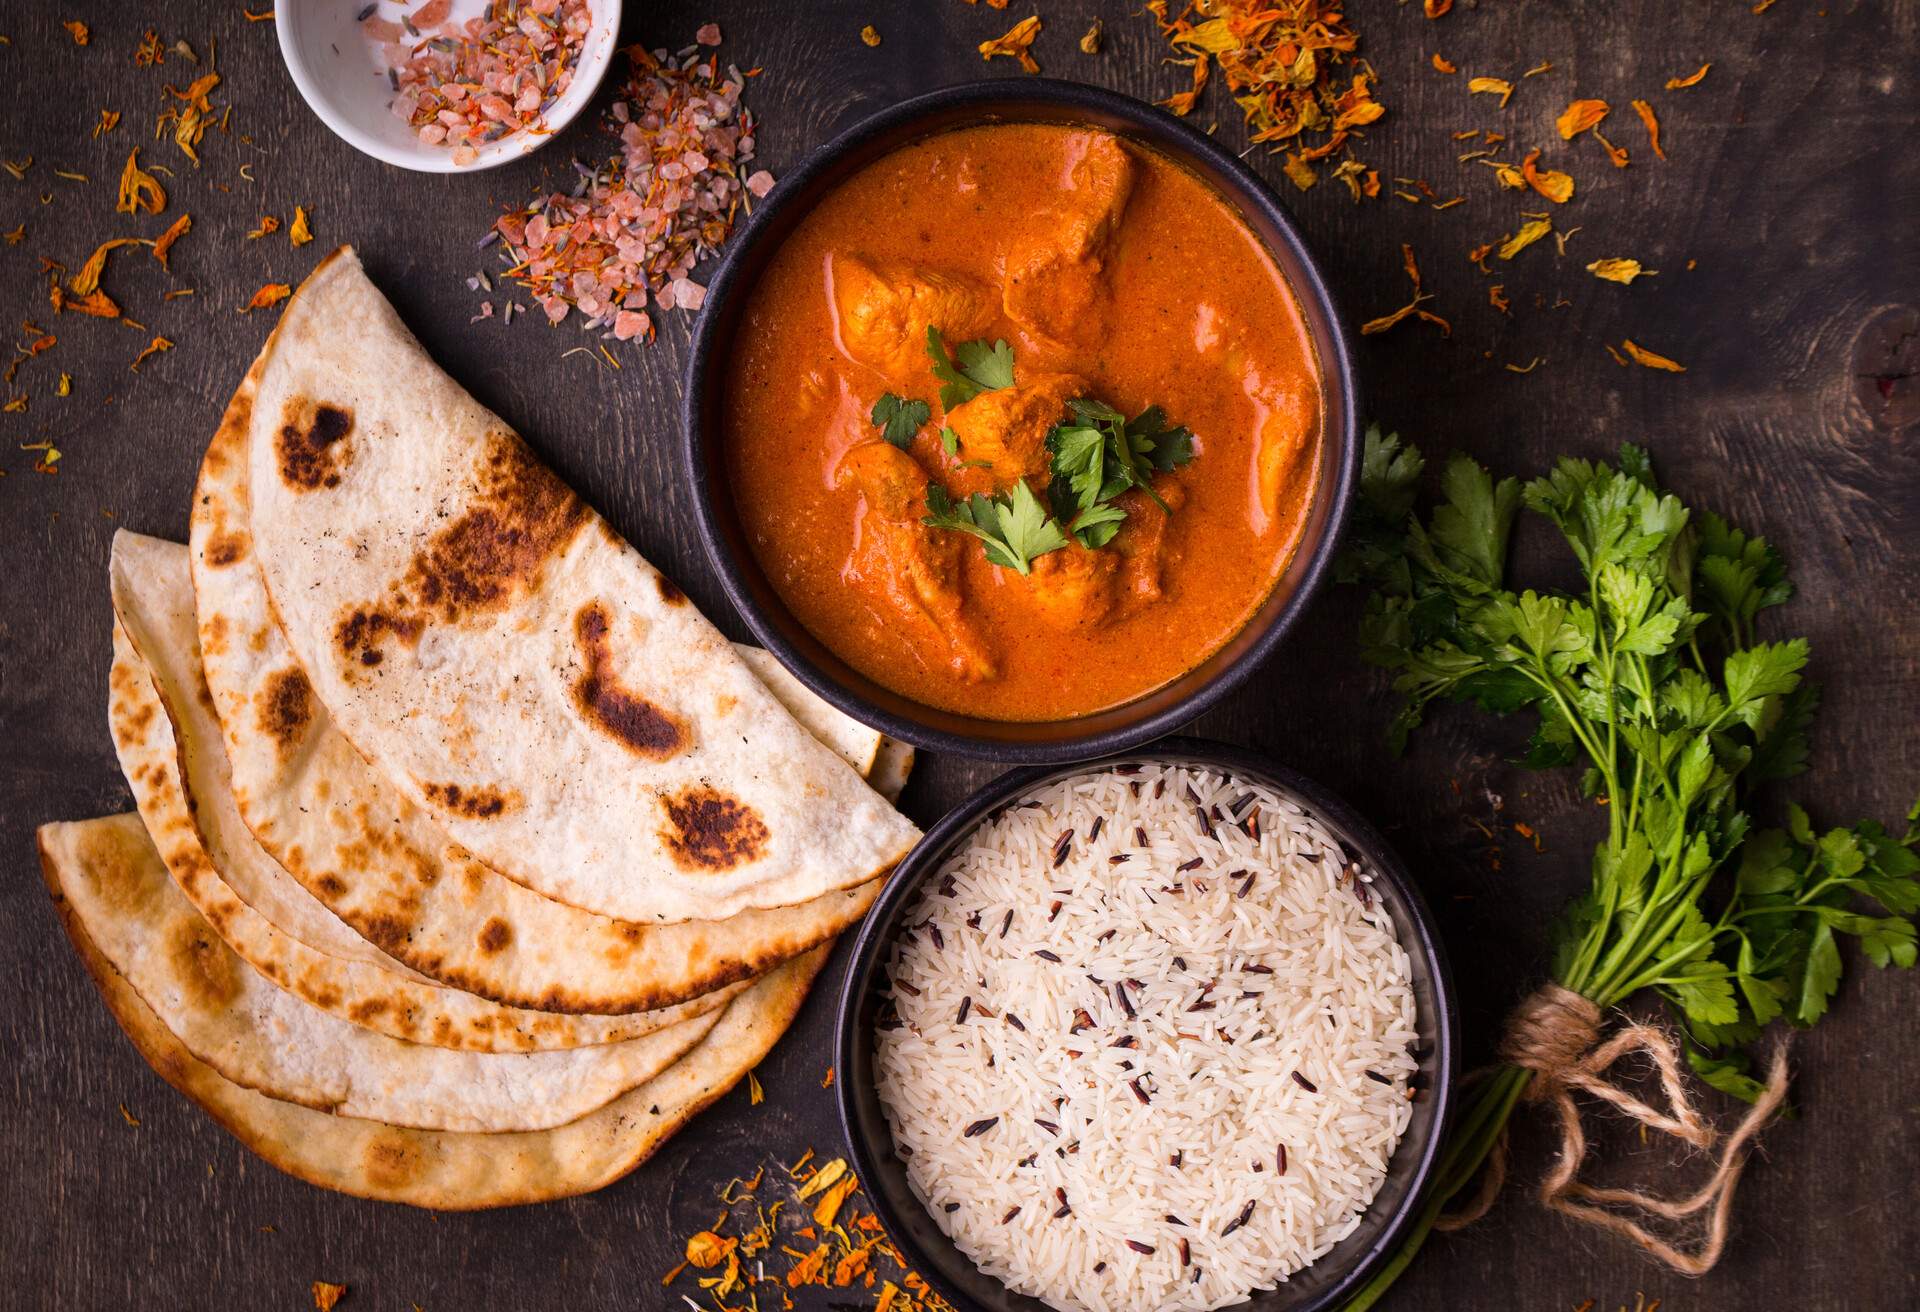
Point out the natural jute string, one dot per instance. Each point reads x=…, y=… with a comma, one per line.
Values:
x=1555, y=1034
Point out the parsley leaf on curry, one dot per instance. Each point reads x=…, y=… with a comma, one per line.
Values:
x=1014, y=526
x=898, y=419
x=1102, y=453
x=976, y=367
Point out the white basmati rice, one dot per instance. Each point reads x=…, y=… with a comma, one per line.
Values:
x=1255, y=1018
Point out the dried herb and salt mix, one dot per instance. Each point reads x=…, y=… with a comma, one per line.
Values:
x=1652, y=679
x=627, y=236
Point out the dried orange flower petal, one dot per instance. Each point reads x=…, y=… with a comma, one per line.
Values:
x=1180, y=103
x=1444, y=66
x=271, y=294
x=1551, y=183
x=139, y=190
x=1017, y=43
x=1530, y=232
x=154, y=347
x=78, y=31
x=1491, y=86
x=870, y=35
x=1579, y=116
x=1622, y=271
x=1645, y=111
x=1692, y=79
x=326, y=1294
x=164, y=245
x=1651, y=359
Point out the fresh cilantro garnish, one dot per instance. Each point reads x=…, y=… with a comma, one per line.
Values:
x=898, y=419
x=981, y=367
x=1100, y=454
x=1648, y=674
x=1014, y=526
x=949, y=441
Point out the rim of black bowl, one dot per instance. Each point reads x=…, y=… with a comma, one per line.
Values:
x=1139, y=720
x=871, y=1151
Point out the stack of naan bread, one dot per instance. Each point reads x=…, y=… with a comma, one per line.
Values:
x=470, y=861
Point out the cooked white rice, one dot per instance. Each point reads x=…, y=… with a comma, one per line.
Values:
x=1235, y=1063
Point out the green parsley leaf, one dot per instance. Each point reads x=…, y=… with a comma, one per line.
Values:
x=1013, y=526
x=899, y=419
x=949, y=441
x=981, y=367
x=1096, y=525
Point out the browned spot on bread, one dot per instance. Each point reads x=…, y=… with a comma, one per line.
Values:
x=481, y=802
x=368, y=1009
x=644, y=728
x=306, y=442
x=670, y=591
x=495, y=935
x=364, y=629
x=201, y=964
x=225, y=548
x=392, y=1160
x=712, y=831
x=383, y=931
x=283, y=708
x=114, y=867
x=519, y=515
x=331, y=886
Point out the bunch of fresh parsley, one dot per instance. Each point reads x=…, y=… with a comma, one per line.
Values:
x=1096, y=457
x=1652, y=676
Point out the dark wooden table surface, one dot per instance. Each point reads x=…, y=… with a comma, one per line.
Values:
x=1782, y=225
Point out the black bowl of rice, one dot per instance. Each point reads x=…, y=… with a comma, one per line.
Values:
x=1171, y=1029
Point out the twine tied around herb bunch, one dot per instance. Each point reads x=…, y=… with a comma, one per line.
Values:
x=1555, y=1035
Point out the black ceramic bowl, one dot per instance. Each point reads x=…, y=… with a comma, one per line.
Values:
x=1135, y=722
x=870, y=1142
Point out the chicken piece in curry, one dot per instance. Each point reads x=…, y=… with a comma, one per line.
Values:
x=1023, y=421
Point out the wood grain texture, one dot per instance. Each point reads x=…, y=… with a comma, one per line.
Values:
x=1792, y=184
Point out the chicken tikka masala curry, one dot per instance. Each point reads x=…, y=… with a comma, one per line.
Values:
x=1023, y=421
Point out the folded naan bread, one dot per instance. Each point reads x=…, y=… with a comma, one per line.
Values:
x=443, y=1170
x=172, y=755
x=507, y=661
x=385, y=867
x=116, y=888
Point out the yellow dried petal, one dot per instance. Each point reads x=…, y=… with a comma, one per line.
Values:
x=1619, y=270
x=1651, y=359
x=139, y=190
x=1692, y=79
x=870, y=35
x=707, y=1249
x=1530, y=232
x=1579, y=116
x=1491, y=86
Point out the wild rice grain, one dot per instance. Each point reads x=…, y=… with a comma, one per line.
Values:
x=1333, y=998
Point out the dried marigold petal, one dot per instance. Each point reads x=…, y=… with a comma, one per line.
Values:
x=807, y=1269
x=95, y=303
x=1090, y=43
x=1645, y=111
x=1692, y=79
x=1497, y=298
x=1623, y=271
x=1551, y=183
x=163, y=246
x=1651, y=359
x=1017, y=43
x=707, y=1249
x=88, y=279
x=154, y=347
x=1180, y=103
x=1491, y=86
x=1579, y=116
x=1299, y=172
x=1443, y=65
x=271, y=294
x=1615, y=155
x=870, y=35
x=267, y=226
x=1530, y=232
x=1436, y=8
x=326, y=1294
x=139, y=190
x=78, y=31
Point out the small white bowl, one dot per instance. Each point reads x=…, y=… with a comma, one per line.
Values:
x=338, y=73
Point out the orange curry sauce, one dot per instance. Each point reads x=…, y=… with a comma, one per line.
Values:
x=1114, y=274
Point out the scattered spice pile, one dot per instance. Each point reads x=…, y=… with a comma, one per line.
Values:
x=184, y=116
x=812, y=1232
x=632, y=229
x=473, y=83
x=1291, y=68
